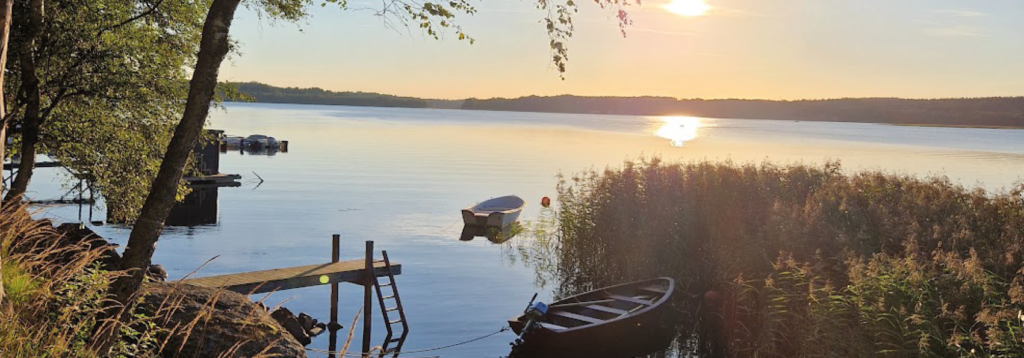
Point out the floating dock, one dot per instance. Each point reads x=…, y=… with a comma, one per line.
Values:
x=217, y=179
x=256, y=282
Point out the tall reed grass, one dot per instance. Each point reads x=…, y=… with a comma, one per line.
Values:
x=57, y=291
x=802, y=261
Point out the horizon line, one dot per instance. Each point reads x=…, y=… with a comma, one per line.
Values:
x=638, y=96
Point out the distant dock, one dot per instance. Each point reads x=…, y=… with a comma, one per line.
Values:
x=219, y=179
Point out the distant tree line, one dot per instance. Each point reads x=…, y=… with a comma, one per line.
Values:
x=269, y=94
x=993, y=112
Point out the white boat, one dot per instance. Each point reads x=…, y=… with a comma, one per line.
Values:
x=496, y=212
x=261, y=141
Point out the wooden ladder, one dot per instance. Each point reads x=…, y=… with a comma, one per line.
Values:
x=387, y=311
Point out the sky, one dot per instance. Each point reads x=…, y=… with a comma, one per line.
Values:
x=770, y=49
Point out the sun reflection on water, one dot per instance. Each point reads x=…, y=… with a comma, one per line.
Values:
x=679, y=130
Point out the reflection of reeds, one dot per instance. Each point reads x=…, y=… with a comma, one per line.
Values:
x=801, y=260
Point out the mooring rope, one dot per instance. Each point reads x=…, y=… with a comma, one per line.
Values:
x=400, y=353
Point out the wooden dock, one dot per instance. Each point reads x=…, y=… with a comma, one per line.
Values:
x=294, y=277
x=332, y=273
x=220, y=179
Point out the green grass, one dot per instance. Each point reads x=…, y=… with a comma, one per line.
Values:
x=804, y=260
x=19, y=286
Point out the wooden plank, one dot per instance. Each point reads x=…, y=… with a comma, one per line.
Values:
x=574, y=316
x=293, y=277
x=572, y=304
x=51, y=164
x=552, y=326
x=631, y=299
x=606, y=309
x=215, y=178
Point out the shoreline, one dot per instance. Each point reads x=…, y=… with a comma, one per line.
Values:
x=974, y=126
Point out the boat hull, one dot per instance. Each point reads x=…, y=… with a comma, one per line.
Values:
x=480, y=215
x=634, y=335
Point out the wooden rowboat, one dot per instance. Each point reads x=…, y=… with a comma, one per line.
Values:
x=497, y=212
x=618, y=321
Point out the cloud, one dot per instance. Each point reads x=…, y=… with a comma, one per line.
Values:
x=960, y=12
x=958, y=31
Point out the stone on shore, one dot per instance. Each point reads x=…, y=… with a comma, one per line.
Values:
x=287, y=320
x=227, y=324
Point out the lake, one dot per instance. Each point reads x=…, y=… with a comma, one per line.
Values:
x=400, y=176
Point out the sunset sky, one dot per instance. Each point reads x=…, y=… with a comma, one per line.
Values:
x=777, y=49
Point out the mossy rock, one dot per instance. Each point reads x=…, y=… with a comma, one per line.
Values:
x=205, y=322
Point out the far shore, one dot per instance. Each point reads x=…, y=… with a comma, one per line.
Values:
x=953, y=126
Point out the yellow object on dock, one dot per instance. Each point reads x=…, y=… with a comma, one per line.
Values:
x=294, y=277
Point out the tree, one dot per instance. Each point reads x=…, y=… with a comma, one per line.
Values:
x=214, y=46
x=110, y=80
x=30, y=90
x=6, y=8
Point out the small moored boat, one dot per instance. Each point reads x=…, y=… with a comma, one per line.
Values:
x=619, y=321
x=497, y=212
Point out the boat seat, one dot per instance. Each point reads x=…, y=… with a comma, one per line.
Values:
x=631, y=299
x=606, y=309
x=574, y=316
x=552, y=326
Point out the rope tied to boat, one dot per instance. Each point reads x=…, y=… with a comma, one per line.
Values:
x=324, y=351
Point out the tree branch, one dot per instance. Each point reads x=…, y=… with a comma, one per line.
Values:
x=132, y=19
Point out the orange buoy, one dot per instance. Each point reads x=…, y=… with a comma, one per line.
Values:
x=711, y=296
x=545, y=202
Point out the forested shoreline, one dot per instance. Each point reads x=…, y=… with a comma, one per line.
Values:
x=992, y=112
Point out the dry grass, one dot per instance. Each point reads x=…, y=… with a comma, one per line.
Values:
x=57, y=292
x=804, y=261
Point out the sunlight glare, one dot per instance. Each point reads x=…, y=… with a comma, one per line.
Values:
x=688, y=7
x=679, y=130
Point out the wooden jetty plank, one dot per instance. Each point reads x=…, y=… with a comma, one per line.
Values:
x=219, y=177
x=293, y=277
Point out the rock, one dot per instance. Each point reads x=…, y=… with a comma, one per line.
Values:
x=306, y=321
x=318, y=328
x=78, y=234
x=291, y=324
x=316, y=331
x=230, y=326
x=157, y=273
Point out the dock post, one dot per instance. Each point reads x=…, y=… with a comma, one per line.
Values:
x=367, y=298
x=334, y=325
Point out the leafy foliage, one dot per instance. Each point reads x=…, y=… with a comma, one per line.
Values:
x=112, y=75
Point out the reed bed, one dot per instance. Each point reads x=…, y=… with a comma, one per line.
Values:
x=798, y=260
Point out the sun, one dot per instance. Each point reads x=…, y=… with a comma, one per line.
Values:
x=688, y=7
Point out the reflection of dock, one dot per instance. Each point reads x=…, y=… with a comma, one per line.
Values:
x=294, y=277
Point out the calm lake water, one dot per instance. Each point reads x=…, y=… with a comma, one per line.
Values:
x=399, y=177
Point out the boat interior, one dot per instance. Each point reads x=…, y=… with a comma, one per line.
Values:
x=498, y=204
x=601, y=306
